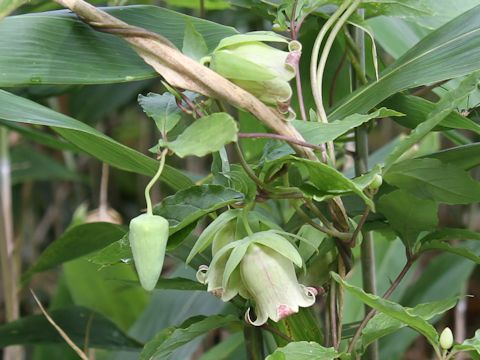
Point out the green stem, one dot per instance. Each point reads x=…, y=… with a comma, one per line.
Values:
x=367, y=253
x=253, y=342
x=247, y=168
x=153, y=181
x=323, y=62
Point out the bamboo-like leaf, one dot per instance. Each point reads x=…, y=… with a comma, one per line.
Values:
x=452, y=50
x=78, y=322
x=44, y=54
x=444, y=107
x=171, y=338
x=19, y=110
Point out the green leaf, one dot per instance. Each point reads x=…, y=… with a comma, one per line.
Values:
x=118, y=251
x=40, y=137
x=209, y=4
x=194, y=45
x=444, y=107
x=206, y=135
x=171, y=338
x=381, y=324
x=19, y=110
x=7, y=6
x=466, y=156
x=472, y=344
x=417, y=109
x=451, y=234
x=189, y=205
x=393, y=310
x=224, y=349
x=303, y=350
x=450, y=51
x=99, y=57
x=315, y=132
x=207, y=235
x=79, y=323
x=408, y=215
x=28, y=165
x=109, y=290
x=457, y=250
x=365, y=180
x=76, y=242
x=324, y=181
x=433, y=180
x=178, y=283
x=162, y=108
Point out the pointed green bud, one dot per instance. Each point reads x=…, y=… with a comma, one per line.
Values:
x=446, y=339
x=148, y=238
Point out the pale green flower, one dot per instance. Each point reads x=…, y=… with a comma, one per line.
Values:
x=261, y=268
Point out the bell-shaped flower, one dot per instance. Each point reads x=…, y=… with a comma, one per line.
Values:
x=261, y=268
x=270, y=279
x=257, y=67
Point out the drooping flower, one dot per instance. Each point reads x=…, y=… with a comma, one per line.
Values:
x=270, y=279
x=257, y=67
x=261, y=268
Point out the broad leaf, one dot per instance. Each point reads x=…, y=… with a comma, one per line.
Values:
x=224, y=349
x=303, y=350
x=178, y=283
x=452, y=50
x=110, y=291
x=315, y=132
x=28, y=165
x=99, y=57
x=457, y=250
x=76, y=242
x=444, y=107
x=79, y=323
x=408, y=215
x=433, y=180
x=466, y=156
x=393, y=310
x=381, y=324
x=472, y=344
x=189, y=205
x=171, y=338
x=451, y=234
x=206, y=135
x=19, y=110
x=323, y=181
x=162, y=108
x=40, y=137
x=194, y=45
x=416, y=110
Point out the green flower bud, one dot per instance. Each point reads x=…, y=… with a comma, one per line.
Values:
x=376, y=183
x=260, y=69
x=148, y=238
x=446, y=339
